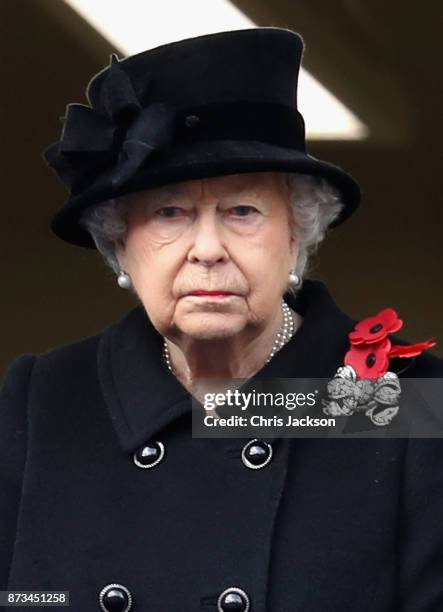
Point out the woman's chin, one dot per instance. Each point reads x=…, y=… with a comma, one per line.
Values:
x=211, y=326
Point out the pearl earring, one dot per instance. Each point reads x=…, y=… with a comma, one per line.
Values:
x=123, y=280
x=294, y=279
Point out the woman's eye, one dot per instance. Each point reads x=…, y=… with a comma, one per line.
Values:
x=243, y=211
x=169, y=211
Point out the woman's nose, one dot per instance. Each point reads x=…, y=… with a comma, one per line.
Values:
x=207, y=241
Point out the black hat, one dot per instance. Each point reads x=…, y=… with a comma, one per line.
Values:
x=217, y=104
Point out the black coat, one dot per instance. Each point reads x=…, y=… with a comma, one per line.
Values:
x=328, y=525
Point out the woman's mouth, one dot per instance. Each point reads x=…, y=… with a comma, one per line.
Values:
x=211, y=294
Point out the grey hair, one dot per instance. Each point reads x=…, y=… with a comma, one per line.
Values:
x=314, y=204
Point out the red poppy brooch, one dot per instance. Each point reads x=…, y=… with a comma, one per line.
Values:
x=365, y=384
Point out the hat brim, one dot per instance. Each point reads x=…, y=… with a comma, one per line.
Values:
x=203, y=160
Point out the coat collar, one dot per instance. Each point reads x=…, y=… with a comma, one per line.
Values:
x=143, y=396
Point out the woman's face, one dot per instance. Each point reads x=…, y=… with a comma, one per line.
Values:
x=225, y=234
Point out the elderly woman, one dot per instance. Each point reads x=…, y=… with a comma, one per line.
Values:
x=188, y=172
x=210, y=260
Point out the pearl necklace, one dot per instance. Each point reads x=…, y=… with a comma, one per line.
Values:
x=285, y=333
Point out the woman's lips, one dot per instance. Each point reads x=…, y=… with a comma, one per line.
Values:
x=210, y=293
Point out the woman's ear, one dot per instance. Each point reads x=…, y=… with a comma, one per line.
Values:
x=119, y=246
x=294, y=248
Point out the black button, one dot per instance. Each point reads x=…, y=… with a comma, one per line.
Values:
x=149, y=454
x=233, y=599
x=256, y=454
x=192, y=121
x=115, y=598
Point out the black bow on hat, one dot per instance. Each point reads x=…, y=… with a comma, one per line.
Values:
x=125, y=137
x=207, y=106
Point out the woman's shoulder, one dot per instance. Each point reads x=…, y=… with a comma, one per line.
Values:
x=68, y=354
x=62, y=359
x=427, y=364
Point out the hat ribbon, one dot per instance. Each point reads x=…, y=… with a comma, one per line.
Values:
x=119, y=139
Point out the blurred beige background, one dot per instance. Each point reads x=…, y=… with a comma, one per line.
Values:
x=383, y=60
